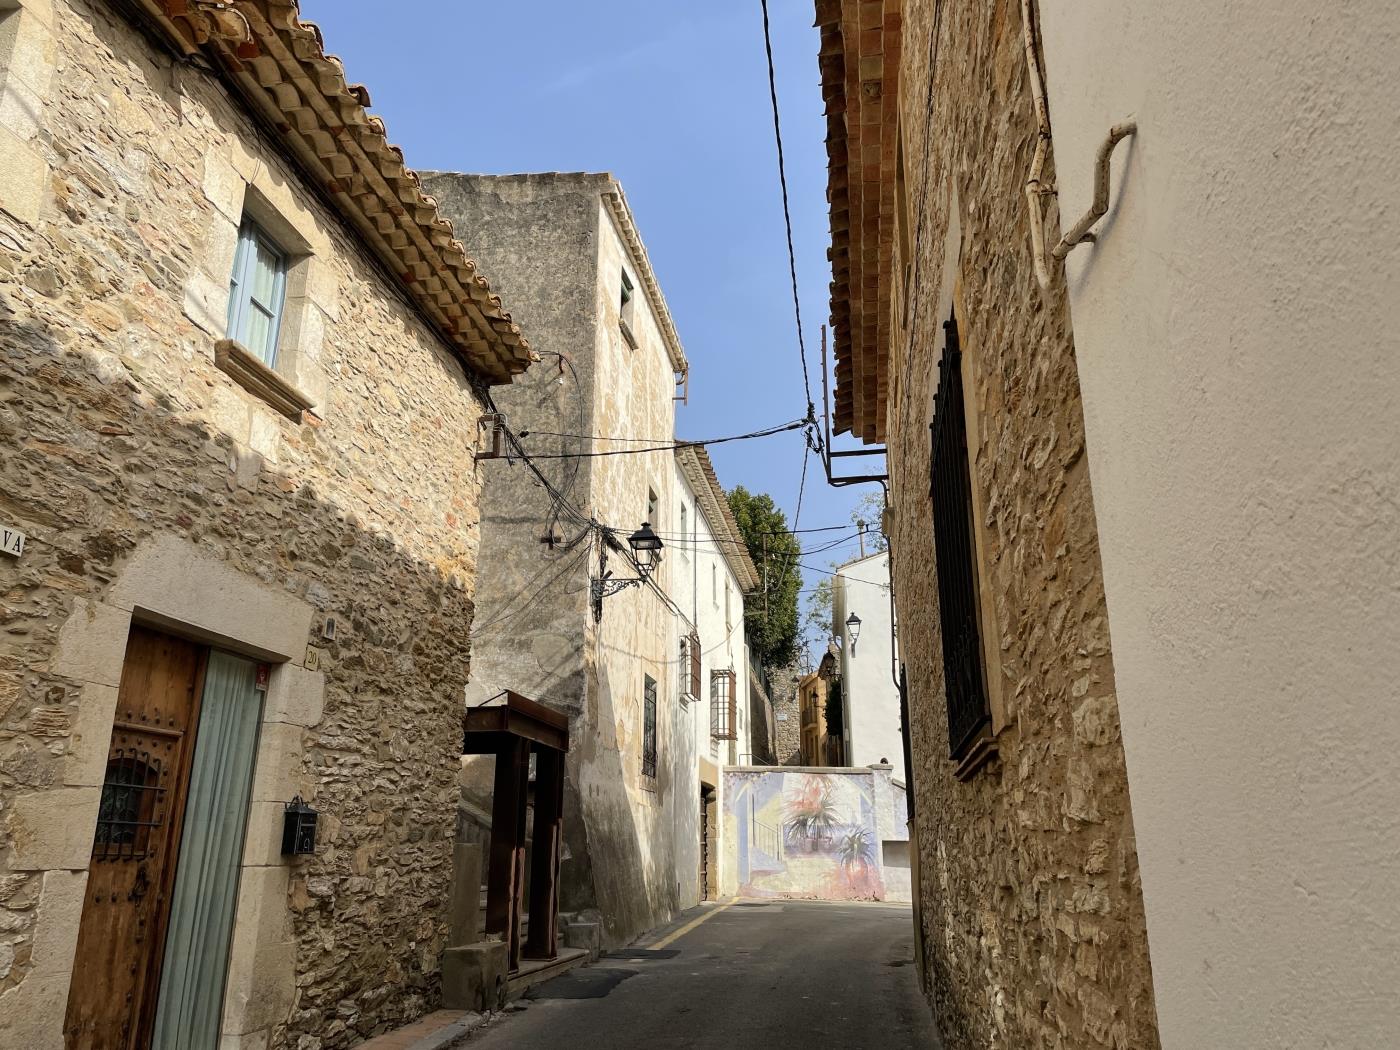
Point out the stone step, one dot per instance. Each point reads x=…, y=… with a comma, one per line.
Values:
x=537, y=971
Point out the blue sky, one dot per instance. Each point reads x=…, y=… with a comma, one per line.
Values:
x=672, y=98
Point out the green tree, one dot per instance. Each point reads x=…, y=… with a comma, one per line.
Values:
x=871, y=510
x=816, y=620
x=770, y=613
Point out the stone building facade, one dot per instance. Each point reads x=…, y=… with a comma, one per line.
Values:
x=787, y=716
x=711, y=573
x=310, y=516
x=564, y=249
x=1029, y=900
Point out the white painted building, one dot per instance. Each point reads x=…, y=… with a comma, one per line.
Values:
x=869, y=693
x=1235, y=331
x=710, y=571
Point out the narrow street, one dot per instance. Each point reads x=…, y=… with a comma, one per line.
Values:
x=770, y=975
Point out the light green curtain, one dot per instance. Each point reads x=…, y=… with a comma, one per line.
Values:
x=211, y=850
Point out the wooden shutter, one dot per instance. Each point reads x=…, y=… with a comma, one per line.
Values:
x=695, y=665
x=954, y=551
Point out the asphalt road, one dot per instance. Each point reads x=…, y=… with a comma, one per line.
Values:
x=760, y=975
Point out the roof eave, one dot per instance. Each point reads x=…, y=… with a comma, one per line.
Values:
x=277, y=66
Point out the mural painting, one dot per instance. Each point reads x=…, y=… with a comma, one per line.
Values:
x=804, y=834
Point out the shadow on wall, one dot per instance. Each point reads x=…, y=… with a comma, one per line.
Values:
x=631, y=886
x=97, y=464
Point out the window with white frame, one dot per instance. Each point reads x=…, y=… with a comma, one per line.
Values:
x=257, y=292
x=684, y=533
x=728, y=621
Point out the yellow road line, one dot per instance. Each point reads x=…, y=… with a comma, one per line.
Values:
x=678, y=934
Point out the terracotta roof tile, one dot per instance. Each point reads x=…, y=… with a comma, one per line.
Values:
x=279, y=66
x=859, y=63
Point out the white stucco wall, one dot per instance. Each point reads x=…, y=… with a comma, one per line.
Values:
x=698, y=573
x=870, y=697
x=1236, y=330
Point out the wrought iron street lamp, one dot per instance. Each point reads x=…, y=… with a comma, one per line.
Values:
x=853, y=629
x=646, y=545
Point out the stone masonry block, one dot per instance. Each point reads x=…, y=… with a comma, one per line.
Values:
x=92, y=643
x=178, y=581
x=23, y=178
x=86, y=762
x=585, y=935
x=206, y=302
x=56, y=923
x=464, y=910
x=29, y=72
x=474, y=976
x=53, y=829
x=245, y=1041
x=31, y=1015
x=295, y=696
x=223, y=186
x=262, y=842
x=265, y=432
x=262, y=960
x=280, y=771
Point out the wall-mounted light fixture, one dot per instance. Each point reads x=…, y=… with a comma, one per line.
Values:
x=645, y=544
x=853, y=629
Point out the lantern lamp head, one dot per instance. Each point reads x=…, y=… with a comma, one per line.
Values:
x=853, y=629
x=645, y=544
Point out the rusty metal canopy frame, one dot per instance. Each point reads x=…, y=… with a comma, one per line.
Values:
x=516, y=716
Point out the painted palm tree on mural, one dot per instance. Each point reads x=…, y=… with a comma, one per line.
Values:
x=810, y=814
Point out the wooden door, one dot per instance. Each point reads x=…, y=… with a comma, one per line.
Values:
x=111, y=1005
x=705, y=798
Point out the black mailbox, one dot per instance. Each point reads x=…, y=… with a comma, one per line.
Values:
x=298, y=828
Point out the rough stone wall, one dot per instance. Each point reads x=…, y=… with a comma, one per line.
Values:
x=113, y=418
x=787, y=732
x=634, y=835
x=1031, y=909
x=550, y=245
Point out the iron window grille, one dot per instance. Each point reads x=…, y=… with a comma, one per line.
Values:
x=649, y=727
x=690, y=666
x=131, y=806
x=955, y=554
x=723, y=715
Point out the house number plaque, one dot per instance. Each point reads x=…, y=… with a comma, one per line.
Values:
x=11, y=541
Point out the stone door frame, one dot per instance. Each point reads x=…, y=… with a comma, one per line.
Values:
x=175, y=586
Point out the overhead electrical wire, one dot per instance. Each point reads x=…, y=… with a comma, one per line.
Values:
x=792, y=424
x=509, y=613
x=787, y=210
x=796, y=424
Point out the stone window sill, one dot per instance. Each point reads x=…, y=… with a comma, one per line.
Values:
x=980, y=755
x=627, y=334
x=249, y=372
